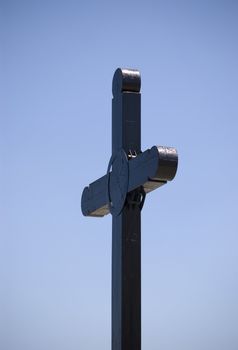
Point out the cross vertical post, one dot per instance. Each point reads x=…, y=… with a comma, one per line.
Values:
x=126, y=227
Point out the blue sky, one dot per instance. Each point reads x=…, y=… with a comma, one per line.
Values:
x=57, y=63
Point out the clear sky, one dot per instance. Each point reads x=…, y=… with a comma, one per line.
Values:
x=57, y=63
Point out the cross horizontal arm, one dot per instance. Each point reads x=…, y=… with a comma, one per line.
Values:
x=94, y=201
x=150, y=169
x=153, y=168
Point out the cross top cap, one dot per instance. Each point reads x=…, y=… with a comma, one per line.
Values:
x=125, y=79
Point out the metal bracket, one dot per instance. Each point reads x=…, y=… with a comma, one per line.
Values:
x=136, y=197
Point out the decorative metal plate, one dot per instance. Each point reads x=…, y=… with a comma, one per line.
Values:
x=118, y=178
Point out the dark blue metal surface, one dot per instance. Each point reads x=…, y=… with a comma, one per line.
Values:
x=131, y=175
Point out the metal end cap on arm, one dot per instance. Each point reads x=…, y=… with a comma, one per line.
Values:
x=167, y=163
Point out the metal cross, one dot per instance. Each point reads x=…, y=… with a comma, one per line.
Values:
x=131, y=174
